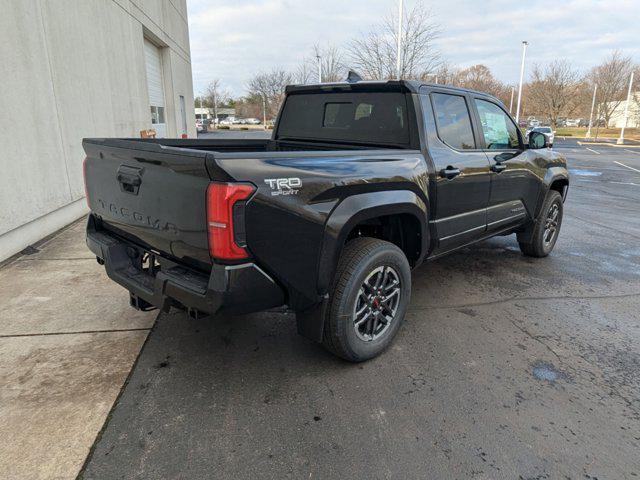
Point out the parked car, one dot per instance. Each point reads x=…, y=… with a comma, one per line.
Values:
x=358, y=185
x=253, y=121
x=226, y=121
x=546, y=131
x=199, y=126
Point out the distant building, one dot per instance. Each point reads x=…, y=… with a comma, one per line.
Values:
x=205, y=113
x=81, y=69
x=617, y=118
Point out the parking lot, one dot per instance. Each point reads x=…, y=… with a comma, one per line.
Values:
x=506, y=367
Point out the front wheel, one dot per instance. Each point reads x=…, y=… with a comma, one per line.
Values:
x=546, y=228
x=369, y=299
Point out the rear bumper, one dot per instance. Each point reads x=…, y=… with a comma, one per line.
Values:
x=232, y=288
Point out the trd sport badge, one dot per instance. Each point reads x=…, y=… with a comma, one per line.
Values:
x=284, y=186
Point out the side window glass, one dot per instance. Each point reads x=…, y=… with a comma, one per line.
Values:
x=498, y=129
x=453, y=121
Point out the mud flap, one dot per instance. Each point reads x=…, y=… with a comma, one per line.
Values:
x=526, y=234
x=310, y=322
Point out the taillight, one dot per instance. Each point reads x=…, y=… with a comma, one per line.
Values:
x=84, y=177
x=221, y=200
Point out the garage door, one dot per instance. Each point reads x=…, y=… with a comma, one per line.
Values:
x=153, y=62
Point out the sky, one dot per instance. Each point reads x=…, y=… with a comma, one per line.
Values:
x=235, y=39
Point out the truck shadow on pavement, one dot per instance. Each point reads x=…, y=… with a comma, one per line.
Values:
x=457, y=394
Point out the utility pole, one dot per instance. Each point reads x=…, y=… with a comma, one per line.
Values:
x=511, y=101
x=319, y=58
x=626, y=112
x=215, y=108
x=399, y=52
x=593, y=104
x=524, y=52
x=264, y=112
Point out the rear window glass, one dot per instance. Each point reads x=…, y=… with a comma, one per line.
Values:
x=376, y=118
x=453, y=121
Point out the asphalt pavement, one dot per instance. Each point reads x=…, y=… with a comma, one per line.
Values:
x=506, y=367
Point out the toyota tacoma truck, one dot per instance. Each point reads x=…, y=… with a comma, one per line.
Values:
x=359, y=183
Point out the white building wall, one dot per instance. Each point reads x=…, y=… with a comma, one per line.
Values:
x=633, y=121
x=73, y=69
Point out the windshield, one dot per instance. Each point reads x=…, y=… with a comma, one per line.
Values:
x=346, y=117
x=542, y=129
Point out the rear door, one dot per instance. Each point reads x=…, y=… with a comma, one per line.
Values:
x=514, y=184
x=462, y=175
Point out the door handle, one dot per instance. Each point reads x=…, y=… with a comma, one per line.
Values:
x=498, y=167
x=450, y=172
x=129, y=179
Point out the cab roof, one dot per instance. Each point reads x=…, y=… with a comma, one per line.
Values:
x=410, y=86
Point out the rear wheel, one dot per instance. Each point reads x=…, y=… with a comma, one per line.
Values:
x=370, y=295
x=546, y=228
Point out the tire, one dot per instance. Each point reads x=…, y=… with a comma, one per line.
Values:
x=366, y=260
x=542, y=240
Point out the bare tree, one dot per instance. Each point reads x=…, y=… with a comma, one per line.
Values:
x=479, y=77
x=216, y=96
x=555, y=90
x=270, y=86
x=331, y=63
x=305, y=73
x=374, y=54
x=612, y=78
x=444, y=74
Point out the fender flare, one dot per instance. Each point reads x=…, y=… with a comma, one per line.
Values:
x=349, y=213
x=555, y=173
x=552, y=174
x=358, y=208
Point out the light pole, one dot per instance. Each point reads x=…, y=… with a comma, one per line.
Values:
x=264, y=112
x=399, y=51
x=593, y=104
x=319, y=58
x=524, y=52
x=626, y=111
x=511, y=101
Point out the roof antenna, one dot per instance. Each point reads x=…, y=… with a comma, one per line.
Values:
x=353, y=77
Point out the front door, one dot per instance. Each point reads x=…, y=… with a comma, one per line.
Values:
x=514, y=184
x=462, y=175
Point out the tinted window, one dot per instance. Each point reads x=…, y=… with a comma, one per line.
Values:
x=498, y=129
x=453, y=121
x=366, y=118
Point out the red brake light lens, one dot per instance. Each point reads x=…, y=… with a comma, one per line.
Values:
x=221, y=198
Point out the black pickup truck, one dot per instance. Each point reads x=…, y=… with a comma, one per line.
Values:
x=359, y=183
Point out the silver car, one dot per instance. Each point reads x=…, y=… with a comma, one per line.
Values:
x=546, y=131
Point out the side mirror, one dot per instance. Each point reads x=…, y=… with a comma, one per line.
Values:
x=537, y=140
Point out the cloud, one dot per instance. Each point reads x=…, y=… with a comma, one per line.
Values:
x=234, y=40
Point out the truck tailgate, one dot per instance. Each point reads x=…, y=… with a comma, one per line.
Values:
x=152, y=194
